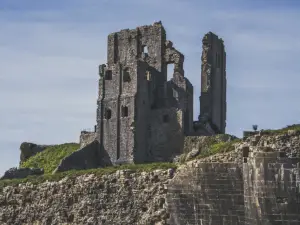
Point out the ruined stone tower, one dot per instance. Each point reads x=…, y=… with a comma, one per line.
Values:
x=141, y=116
x=213, y=83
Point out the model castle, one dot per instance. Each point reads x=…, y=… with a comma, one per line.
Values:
x=142, y=116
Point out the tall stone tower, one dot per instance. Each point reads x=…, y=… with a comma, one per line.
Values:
x=140, y=115
x=213, y=83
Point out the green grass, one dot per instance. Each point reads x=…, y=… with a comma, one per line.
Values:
x=221, y=147
x=283, y=130
x=99, y=172
x=208, y=146
x=50, y=158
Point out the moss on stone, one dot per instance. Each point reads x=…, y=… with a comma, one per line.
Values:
x=50, y=158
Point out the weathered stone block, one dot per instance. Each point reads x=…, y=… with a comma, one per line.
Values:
x=19, y=173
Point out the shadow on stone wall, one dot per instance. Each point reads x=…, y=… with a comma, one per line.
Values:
x=88, y=157
x=166, y=137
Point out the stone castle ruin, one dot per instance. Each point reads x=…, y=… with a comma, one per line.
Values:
x=142, y=116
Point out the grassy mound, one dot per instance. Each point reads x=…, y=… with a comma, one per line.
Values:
x=99, y=172
x=50, y=158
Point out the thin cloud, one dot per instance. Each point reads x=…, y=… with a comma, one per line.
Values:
x=49, y=56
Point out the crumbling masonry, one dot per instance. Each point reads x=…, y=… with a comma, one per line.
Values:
x=143, y=117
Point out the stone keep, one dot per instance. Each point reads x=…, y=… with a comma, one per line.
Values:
x=141, y=116
x=213, y=82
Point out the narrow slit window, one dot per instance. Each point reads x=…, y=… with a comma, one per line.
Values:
x=124, y=111
x=126, y=75
x=148, y=76
x=166, y=118
x=107, y=114
x=175, y=93
x=145, y=49
x=108, y=75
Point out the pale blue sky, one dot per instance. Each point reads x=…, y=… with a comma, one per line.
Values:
x=50, y=51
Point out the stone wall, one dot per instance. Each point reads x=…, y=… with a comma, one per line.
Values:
x=165, y=136
x=272, y=189
x=272, y=179
x=122, y=198
x=257, y=183
x=86, y=137
x=207, y=193
x=86, y=157
x=213, y=81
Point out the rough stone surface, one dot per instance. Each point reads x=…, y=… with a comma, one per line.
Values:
x=123, y=198
x=257, y=183
x=30, y=149
x=141, y=116
x=213, y=83
x=14, y=173
x=84, y=158
x=208, y=194
x=86, y=137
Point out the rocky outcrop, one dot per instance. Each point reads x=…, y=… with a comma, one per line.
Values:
x=14, y=173
x=123, y=198
x=30, y=149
